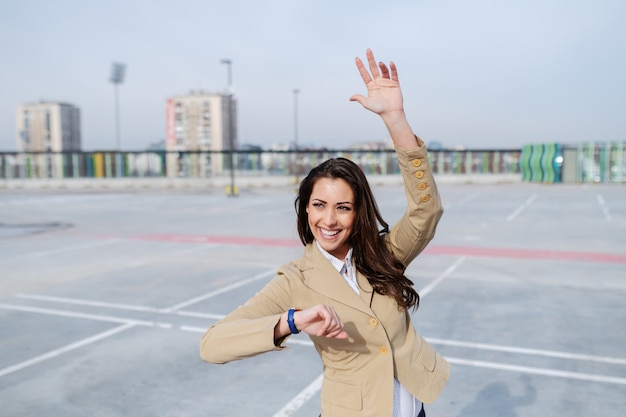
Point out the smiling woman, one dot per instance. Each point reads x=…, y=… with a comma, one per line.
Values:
x=329, y=213
x=348, y=292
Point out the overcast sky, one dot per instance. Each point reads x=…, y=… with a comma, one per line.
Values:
x=483, y=73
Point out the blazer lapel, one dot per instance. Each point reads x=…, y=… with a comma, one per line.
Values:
x=367, y=292
x=321, y=276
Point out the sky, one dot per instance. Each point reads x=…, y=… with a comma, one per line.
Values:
x=484, y=74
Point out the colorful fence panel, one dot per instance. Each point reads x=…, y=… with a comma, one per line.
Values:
x=542, y=163
x=602, y=162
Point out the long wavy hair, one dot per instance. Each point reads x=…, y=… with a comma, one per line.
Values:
x=372, y=257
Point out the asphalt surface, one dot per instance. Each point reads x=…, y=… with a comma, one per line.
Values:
x=104, y=296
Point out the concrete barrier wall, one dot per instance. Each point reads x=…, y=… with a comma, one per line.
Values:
x=224, y=182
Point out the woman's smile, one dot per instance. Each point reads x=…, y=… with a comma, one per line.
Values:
x=329, y=233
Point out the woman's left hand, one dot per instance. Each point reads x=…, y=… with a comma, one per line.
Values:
x=383, y=88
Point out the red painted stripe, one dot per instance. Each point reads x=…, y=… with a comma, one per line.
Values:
x=536, y=254
x=224, y=240
x=526, y=254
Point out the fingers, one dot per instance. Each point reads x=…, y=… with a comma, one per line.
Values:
x=358, y=98
x=372, y=63
x=375, y=71
x=394, y=71
x=332, y=326
x=384, y=70
x=320, y=320
x=332, y=323
x=364, y=74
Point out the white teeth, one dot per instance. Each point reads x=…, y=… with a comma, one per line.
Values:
x=329, y=232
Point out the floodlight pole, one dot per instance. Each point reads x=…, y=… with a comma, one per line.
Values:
x=232, y=191
x=117, y=117
x=117, y=77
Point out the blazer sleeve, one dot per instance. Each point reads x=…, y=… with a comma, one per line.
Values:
x=416, y=228
x=249, y=329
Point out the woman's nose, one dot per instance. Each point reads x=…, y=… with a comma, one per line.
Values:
x=329, y=217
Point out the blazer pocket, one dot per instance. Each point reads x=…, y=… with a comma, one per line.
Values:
x=427, y=355
x=341, y=394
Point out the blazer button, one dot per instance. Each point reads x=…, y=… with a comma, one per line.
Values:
x=419, y=174
x=373, y=321
x=422, y=186
x=425, y=198
x=417, y=162
x=383, y=350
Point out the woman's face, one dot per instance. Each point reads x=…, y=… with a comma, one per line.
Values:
x=331, y=215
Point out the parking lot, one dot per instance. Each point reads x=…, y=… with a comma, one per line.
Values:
x=104, y=296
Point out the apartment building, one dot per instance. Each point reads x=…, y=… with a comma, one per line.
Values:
x=48, y=127
x=199, y=125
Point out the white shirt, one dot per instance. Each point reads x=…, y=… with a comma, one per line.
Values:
x=404, y=403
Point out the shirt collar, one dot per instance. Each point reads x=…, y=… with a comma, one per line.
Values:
x=336, y=262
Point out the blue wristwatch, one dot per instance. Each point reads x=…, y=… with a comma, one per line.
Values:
x=292, y=325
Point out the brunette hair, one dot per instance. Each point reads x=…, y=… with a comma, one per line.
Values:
x=371, y=255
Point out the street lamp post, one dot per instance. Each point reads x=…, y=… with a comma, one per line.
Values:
x=232, y=190
x=295, y=133
x=295, y=117
x=117, y=78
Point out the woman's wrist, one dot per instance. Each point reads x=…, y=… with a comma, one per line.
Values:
x=399, y=129
x=291, y=321
x=281, y=330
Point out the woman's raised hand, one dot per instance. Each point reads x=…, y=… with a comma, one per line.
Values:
x=384, y=97
x=383, y=88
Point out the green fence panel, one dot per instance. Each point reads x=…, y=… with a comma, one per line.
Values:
x=541, y=162
x=527, y=152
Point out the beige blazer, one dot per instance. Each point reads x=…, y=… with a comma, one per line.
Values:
x=358, y=371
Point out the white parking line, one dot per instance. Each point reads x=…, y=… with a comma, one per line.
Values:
x=521, y=208
x=424, y=291
x=131, y=307
x=65, y=349
x=64, y=250
x=300, y=399
x=218, y=292
x=461, y=201
x=527, y=351
x=538, y=371
x=89, y=303
x=75, y=315
x=200, y=315
x=604, y=207
x=193, y=329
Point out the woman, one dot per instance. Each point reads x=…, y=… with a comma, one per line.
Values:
x=348, y=291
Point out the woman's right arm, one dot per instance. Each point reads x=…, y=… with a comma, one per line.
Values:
x=260, y=325
x=249, y=330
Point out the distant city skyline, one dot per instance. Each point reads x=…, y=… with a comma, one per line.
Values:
x=483, y=74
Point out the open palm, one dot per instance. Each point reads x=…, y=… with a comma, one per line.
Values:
x=383, y=88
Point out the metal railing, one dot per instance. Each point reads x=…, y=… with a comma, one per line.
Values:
x=112, y=164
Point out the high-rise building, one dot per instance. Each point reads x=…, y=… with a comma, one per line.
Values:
x=201, y=123
x=48, y=127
